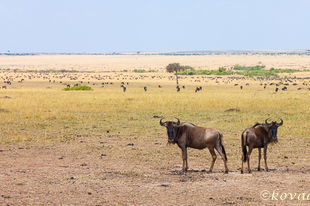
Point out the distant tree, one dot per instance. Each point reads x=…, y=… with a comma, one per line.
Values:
x=175, y=68
x=222, y=69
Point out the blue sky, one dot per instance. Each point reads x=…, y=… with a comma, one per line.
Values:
x=153, y=25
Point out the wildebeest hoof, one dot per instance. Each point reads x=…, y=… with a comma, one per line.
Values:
x=226, y=172
x=241, y=171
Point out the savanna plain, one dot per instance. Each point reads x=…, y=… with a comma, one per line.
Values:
x=106, y=146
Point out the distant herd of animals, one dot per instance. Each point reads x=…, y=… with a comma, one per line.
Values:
x=189, y=135
x=103, y=80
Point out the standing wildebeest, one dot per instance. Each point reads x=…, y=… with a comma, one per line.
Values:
x=189, y=135
x=258, y=136
x=145, y=88
x=198, y=89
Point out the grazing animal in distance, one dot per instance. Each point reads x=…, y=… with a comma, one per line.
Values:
x=188, y=135
x=258, y=136
x=145, y=88
x=198, y=89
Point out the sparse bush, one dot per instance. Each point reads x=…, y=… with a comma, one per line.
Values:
x=79, y=87
x=143, y=70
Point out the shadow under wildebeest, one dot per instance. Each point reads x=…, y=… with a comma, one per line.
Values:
x=188, y=135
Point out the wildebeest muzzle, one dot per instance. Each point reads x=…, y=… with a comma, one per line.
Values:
x=170, y=134
x=274, y=131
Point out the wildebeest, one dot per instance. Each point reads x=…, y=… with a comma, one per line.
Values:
x=284, y=88
x=188, y=135
x=258, y=136
x=145, y=88
x=198, y=89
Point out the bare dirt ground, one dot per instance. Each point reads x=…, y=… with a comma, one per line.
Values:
x=114, y=170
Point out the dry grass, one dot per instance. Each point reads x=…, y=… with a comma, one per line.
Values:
x=155, y=62
x=105, y=147
x=40, y=113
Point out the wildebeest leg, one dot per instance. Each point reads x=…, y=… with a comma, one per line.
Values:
x=265, y=157
x=248, y=158
x=242, y=166
x=259, y=157
x=184, y=157
x=213, y=158
x=221, y=152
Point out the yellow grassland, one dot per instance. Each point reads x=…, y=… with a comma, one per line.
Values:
x=38, y=109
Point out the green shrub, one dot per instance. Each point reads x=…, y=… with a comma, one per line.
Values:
x=79, y=87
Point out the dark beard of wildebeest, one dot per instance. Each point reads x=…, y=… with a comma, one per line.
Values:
x=258, y=136
x=188, y=135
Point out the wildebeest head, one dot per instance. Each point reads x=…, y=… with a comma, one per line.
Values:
x=273, y=128
x=170, y=128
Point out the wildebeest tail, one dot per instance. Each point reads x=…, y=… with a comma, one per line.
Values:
x=243, y=145
x=222, y=146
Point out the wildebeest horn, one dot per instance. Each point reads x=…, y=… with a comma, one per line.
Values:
x=161, y=123
x=178, y=120
x=267, y=122
x=281, y=123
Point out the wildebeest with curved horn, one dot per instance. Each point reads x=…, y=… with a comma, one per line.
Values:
x=258, y=136
x=188, y=135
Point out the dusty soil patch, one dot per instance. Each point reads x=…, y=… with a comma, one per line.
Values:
x=112, y=170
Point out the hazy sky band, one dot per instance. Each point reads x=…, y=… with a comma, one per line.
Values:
x=140, y=25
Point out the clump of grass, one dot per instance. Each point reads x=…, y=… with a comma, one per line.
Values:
x=79, y=87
